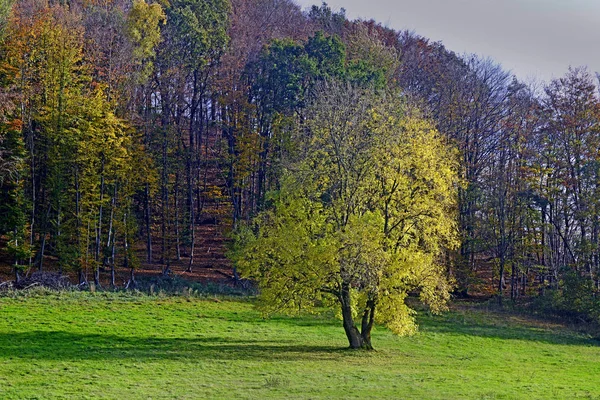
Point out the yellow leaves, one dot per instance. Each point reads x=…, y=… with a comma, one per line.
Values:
x=400, y=181
x=291, y=257
x=246, y=161
x=393, y=312
x=418, y=177
x=370, y=204
x=143, y=25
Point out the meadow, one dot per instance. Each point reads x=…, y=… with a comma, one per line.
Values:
x=84, y=345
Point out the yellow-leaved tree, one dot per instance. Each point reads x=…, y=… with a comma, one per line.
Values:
x=365, y=210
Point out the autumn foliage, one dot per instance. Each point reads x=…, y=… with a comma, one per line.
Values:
x=351, y=163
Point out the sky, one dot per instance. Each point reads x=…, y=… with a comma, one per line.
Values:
x=534, y=39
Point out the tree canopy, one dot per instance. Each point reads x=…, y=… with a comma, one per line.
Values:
x=366, y=207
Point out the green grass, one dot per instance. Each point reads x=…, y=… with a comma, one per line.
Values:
x=81, y=345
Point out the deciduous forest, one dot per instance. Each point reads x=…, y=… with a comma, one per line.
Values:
x=317, y=161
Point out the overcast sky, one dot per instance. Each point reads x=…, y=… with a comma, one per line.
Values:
x=538, y=38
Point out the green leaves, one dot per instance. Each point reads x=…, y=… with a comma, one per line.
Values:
x=287, y=71
x=143, y=26
x=197, y=31
x=5, y=8
x=291, y=255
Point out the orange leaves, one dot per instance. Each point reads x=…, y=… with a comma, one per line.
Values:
x=15, y=124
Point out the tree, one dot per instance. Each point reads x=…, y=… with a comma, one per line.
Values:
x=325, y=19
x=13, y=217
x=143, y=27
x=366, y=206
x=81, y=158
x=254, y=24
x=284, y=76
x=467, y=99
x=509, y=215
x=571, y=165
x=372, y=54
x=5, y=6
x=194, y=39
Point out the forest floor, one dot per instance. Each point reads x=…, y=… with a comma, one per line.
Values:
x=210, y=262
x=212, y=228
x=132, y=346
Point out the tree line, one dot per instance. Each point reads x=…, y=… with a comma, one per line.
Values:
x=120, y=120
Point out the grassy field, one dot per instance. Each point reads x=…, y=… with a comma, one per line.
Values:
x=85, y=345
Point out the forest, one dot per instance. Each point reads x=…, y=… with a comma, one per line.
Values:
x=338, y=163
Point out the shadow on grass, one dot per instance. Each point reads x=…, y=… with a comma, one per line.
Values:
x=66, y=346
x=497, y=328
x=314, y=321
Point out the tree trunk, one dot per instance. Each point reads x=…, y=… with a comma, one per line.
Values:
x=100, y=208
x=112, y=237
x=514, y=282
x=41, y=252
x=17, y=275
x=148, y=229
x=59, y=239
x=78, y=223
x=97, y=276
x=367, y=325
x=192, y=215
x=177, y=239
x=131, y=284
x=355, y=339
x=501, y=279
x=126, y=264
x=164, y=189
x=33, y=191
x=40, y=255
x=111, y=234
x=113, y=284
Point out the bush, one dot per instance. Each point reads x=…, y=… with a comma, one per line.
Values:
x=175, y=285
x=577, y=298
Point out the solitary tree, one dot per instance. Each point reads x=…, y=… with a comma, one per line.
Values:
x=366, y=207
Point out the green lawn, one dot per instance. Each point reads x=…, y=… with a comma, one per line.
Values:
x=85, y=345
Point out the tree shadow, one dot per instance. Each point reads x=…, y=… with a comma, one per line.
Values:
x=325, y=321
x=501, y=329
x=67, y=346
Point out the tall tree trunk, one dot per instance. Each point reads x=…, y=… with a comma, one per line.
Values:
x=126, y=263
x=111, y=234
x=42, y=250
x=164, y=204
x=501, y=279
x=112, y=276
x=78, y=223
x=192, y=217
x=59, y=239
x=99, y=227
x=177, y=239
x=97, y=275
x=110, y=242
x=16, y=261
x=148, y=227
x=87, y=250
